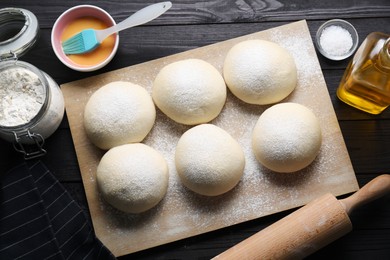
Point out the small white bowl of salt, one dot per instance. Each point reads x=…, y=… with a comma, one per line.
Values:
x=337, y=39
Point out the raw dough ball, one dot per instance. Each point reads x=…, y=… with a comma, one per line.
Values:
x=287, y=137
x=190, y=91
x=259, y=72
x=119, y=113
x=132, y=177
x=208, y=160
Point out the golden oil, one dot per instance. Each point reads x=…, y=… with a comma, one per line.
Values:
x=366, y=81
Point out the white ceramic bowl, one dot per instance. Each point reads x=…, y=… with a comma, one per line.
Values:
x=70, y=15
x=345, y=25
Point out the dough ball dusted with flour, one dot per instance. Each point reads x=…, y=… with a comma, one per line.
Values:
x=260, y=72
x=119, y=113
x=132, y=177
x=208, y=160
x=189, y=91
x=287, y=137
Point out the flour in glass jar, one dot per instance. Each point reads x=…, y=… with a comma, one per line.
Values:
x=22, y=95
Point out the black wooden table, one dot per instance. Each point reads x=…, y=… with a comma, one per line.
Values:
x=192, y=24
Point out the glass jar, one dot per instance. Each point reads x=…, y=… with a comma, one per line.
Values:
x=31, y=102
x=366, y=81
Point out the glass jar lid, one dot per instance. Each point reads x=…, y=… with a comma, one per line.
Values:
x=19, y=30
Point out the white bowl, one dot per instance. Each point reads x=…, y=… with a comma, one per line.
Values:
x=345, y=25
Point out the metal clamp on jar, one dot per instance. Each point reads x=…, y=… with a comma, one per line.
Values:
x=31, y=102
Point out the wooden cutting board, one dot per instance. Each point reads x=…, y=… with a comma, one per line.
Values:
x=181, y=213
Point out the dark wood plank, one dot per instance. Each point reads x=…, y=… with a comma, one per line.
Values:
x=201, y=12
x=190, y=25
x=363, y=242
x=142, y=44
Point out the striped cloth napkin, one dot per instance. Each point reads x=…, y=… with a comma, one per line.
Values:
x=40, y=220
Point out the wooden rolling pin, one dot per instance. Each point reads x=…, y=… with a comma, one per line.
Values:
x=309, y=228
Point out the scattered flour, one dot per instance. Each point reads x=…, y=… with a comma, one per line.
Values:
x=260, y=192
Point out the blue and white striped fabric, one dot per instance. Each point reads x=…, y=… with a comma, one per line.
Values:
x=40, y=220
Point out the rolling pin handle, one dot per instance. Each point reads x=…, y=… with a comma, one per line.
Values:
x=376, y=188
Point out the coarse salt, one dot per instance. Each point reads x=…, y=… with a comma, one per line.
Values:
x=335, y=40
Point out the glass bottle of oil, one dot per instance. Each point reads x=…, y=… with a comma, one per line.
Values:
x=366, y=81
